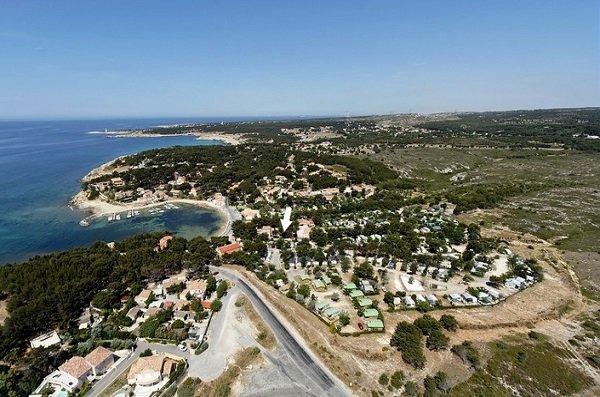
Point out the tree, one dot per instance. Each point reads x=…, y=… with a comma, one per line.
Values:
x=427, y=324
x=448, y=322
x=383, y=380
x=345, y=264
x=397, y=379
x=222, y=289
x=388, y=298
x=216, y=305
x=411, y=389
x=211, y=285
x=437, y=340
x=304, y=290
x=344, y=319
x=430, y=387
x=364, y=270
x=407, y=339
x=442, y=382
x=177, y=324
x=146, y=353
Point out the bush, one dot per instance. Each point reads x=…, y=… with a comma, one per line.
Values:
x=427, y=324
x=216, y=305
x=448, y=322
x=383, y=380
x=467, y=353
x=203, y=346
x=407, y=339
x=177, y=324
x=437, y=340
x=146, y=353
x=188, y=387
x=397, y=379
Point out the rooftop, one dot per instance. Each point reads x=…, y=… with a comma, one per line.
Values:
x=76, y=367
x=98, y=356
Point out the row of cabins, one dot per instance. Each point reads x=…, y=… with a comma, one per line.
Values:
x=518, y=282
x=411, y=303
x=331, y=313
x=483, y=297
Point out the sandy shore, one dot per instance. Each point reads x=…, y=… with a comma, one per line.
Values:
x=98, y=209
x=230, y=139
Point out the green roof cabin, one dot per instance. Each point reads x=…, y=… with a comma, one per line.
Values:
x=322, y=305
x=365, y=302
x=375, y=325
x=303, y=277
x=318, y=285
x=326, y=280
x=370, y=313
x=332, y=312
x=356, y=294
x=349, y=286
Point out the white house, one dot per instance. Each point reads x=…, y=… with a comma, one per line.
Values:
x=46, y=340
x=100, y=360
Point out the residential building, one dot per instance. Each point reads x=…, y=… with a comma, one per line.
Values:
x=229, y=249
x=45, y=340
x=100, y=360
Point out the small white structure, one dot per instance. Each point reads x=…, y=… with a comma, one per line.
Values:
x=409, y=302
x=432, y=300
x=420, y=298
x=455, y=299
x=468, y=298
x=46, y=340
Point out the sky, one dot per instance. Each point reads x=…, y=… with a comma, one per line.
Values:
x=102, y=59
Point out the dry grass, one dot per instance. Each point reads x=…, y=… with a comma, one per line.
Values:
x=264, y=336
x=116, y=385
x=3, y=311
x=221, y=387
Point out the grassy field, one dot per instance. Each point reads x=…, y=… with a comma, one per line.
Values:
x=560, y=202
x=533, y=367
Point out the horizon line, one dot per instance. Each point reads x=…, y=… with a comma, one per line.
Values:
x=279, y=117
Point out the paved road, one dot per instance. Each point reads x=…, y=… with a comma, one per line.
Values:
x=109, y=378
x=314, y=377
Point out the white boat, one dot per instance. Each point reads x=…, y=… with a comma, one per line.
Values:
x=129, y=213
x=136, y=213
x=111, y=217
x=118, y=217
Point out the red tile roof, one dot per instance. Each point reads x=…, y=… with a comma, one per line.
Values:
x=229, y=248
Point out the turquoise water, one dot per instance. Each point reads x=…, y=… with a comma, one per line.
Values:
x=41, y=163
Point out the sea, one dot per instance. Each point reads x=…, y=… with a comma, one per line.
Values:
x=41, y=164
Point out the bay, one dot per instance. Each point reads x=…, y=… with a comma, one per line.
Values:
x=41, y=164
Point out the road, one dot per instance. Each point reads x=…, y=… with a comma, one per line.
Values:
x=313, y=376
x=109, y=378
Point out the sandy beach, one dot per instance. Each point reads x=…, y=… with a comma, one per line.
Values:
x=229, y=139
x=99, y=208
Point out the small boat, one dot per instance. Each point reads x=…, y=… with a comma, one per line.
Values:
x=83, y=223
x=118, y=217
x=129, y=213
x=111, y=217
x=136, y=213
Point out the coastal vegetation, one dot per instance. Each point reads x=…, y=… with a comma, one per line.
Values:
x=51, y=291
x=376, y=199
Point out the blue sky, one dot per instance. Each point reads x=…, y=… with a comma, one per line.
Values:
x=82, y=59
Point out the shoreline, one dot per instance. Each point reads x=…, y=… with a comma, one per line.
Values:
x=228, y=139
x=98, y=209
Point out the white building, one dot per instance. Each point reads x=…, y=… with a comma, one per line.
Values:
x=46, y=340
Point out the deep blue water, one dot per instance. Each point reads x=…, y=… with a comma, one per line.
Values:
x=41, y=163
